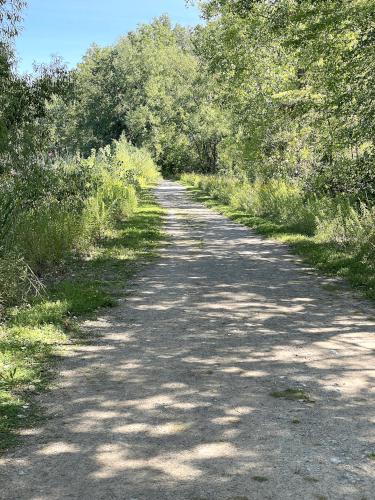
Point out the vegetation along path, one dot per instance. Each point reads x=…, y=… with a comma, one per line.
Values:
x=229, y=372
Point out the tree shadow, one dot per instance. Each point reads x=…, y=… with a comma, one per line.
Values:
x=174, y=399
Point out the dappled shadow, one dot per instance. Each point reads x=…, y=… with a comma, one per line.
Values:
x=333, y=260
x=173, y=398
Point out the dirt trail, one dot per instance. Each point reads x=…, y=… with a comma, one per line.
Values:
x=173, y=398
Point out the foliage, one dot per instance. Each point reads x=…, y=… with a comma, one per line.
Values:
x=299, y=77
x=273, y=100
x=331, y=234
x=267, y=89
x=329, y=220
x=17, y=281
x=34, y=332
x=74, y=204
x=23, y=131
x=151, y=87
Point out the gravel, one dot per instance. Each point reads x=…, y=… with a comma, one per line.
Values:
x=174, y=399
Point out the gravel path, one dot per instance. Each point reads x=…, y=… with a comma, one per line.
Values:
x=173, y=400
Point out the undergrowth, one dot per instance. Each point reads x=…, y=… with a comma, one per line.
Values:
x=33, y=333
x=333, y=235
x=64, y=208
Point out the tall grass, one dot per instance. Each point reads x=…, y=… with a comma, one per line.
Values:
x=45, y=235
x=35, y=330
x=73, y=204
x=71, y=232
x=337, y=221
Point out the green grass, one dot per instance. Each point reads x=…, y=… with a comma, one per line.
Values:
x=291, y=394
x=311, y=479
x=326, y=257
x=33, y=334
x=260, y=479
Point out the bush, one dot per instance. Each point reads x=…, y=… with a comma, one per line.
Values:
x=349, y=227
x=95, y=221
x=136, y=165
x=119, y=199
x=112, y=203
x=46, y=235
x=56, y=210
x=277, y=200
x=17, y=281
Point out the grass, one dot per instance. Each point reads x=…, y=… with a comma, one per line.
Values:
x=326, y=257
x=34, y=333
x=292, y=394
x=311, y=479
x=260, y=479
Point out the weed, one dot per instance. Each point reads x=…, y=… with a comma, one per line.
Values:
x=347, y=254
x=260, y=479
x=46, y=235
x=17, y=281
x=8, y=376
x=293, y=394
x=34, y=331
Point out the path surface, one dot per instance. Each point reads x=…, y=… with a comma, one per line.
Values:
x=172, y=400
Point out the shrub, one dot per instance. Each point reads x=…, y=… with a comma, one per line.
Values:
x=119, y=198
x=135, y=164
x=349, y=227
x=277, y=200
x=45, y=235
x=95, y=221
x=17, y=281
x=58, y=209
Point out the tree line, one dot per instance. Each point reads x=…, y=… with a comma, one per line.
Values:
x=261, y=91
x=271, y=89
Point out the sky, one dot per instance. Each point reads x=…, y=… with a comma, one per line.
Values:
x=67, y=28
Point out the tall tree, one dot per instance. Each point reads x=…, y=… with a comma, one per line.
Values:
x=149, y=86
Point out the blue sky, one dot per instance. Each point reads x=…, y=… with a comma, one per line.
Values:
x=68, y=27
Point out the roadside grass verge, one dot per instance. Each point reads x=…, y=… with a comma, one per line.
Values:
x=325, y=256
x=32, y=335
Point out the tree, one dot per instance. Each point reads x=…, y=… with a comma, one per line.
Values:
x=149, y=87
x=299, y=78
x=24, y=132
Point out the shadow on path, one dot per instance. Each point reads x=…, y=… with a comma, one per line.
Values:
x=173, y=398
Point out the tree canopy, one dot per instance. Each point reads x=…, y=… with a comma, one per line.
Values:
x=266, y=88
